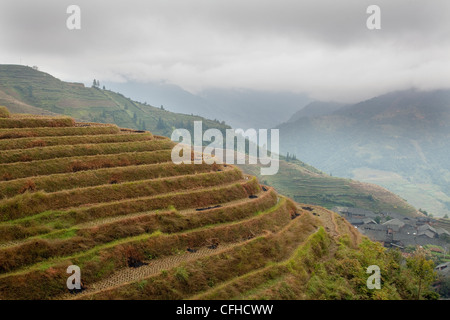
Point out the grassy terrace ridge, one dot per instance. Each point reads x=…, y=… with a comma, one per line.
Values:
x=18, y=170
x=60, y=226
x=18, y=122
x=53, y=152
x=95, y=177
x=27, y=143
x=196, y=236
x=197, y=198
x=256, y=253
x=157, y=244
x=57, y=132
x=110, y=201
x=167, y=220
x=29, y=204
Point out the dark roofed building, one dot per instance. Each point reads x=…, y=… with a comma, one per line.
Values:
x=422, y=220
x=356, y=222
x=427, y=233
x=394, y=224
x=426, y=227
x=443, y=269
x=400, y=231
x=369, y=221
x=357, y=213
x=376, y=235
x=375, y=227
x=441, y=232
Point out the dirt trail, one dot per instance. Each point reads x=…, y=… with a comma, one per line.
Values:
x=332, y=226
x=130, y=275
x=327, y=217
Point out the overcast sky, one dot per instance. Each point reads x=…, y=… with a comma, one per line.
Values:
x=318, y=47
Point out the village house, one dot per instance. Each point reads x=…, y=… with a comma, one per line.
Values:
x=399, y=231
x=443, y=269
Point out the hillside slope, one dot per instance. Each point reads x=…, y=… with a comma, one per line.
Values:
x=111, y=202
x=234, y=106
x=399, y=141
x=21, y=85
x=315, y=109
x=25, y=90
x=306, y=184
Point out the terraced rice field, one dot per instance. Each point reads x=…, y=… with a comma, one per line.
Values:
x=110, y=201
x=442, y=223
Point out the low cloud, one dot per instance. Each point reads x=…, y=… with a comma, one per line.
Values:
x=319, y=47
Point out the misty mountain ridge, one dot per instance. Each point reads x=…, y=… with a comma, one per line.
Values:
x=240, y=108
x=317, y=108
x=399, y=140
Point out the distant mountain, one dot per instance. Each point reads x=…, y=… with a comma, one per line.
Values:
x=25, y=90
x=171, y=97
x=316, y=108
x=399, y=140
x=240, y=108
x=254, y=109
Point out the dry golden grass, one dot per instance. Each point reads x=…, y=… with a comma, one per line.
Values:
x=27, y=143
x=4, y=112
x=96, y=196
x=56, y=132
x=19, y=170
x=84, y=239
x=65, y=151
x=33, y=203
x=148, y=246
x=81, y=179
x=196, y=198
x=36, y=122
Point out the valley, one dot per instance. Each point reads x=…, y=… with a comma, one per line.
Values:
x=398, y=140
